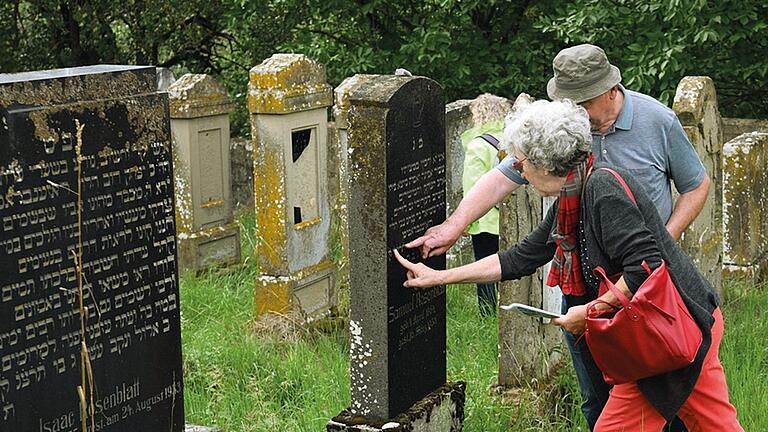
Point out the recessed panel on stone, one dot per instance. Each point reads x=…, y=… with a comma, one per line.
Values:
x=122, y=227
x=302, y=187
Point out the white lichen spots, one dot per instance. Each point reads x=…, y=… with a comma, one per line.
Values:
x=390, y=425
x=362, y=397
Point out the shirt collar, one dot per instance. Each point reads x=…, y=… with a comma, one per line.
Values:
x=624, y=121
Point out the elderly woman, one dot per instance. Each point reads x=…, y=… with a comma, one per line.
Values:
x=594, y=223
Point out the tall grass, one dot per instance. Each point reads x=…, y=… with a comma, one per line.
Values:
x=243, y=376
x=744, y=352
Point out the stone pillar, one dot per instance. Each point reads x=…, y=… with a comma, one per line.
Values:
x=397, y=190
x=528, y=347
x=288, y=99
x=745, y=199
x=206, y=232
x=696, y=106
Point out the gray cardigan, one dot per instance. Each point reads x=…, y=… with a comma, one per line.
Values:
x=618, y=235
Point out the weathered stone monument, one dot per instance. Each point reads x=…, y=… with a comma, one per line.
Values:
x=528, y=347
x=288, y=99
x=745, y=199
x=89, y=317
x=696, y=106
x=396, y=191
x=207, y=233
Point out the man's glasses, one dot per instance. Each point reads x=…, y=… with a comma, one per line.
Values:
x=518, y=166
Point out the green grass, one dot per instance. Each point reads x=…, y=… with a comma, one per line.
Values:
x=744, y=352
x=246, y=377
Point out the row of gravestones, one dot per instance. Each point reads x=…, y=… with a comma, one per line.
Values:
x=92, y=212
x=90, y=271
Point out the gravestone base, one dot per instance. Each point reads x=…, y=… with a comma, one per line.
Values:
x=309, y=291
x=214, y=247
x=440, y=411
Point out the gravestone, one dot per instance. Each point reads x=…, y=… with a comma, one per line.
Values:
x=396, y=190
x=207, y=233
x=745, y=199
x=100, y=133
x=529, y=348
x=288, y=99
x=696, y=106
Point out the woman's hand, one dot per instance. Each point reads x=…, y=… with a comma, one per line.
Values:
x=419, y=275
x=574, y=320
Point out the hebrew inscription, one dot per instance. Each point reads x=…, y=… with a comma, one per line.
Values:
x=123, y=226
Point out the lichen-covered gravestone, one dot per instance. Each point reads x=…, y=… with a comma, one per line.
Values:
x=529, y=348
x=100, y=133
x=207, y=233
x=696, y=106
x=396, y=191
x=745, y=199
x=288, y=99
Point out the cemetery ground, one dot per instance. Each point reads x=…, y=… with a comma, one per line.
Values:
x=278, y=376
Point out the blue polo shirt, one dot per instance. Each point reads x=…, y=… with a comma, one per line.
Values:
x=648, y=141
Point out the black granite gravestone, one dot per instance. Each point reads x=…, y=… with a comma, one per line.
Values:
x=123, y=227
x=397, y=191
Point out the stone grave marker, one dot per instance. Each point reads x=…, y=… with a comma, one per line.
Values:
x=122, y=316
x=288, y=99
x=696, y=107
x=396, y=191
x=208, y=236
x=745, y=199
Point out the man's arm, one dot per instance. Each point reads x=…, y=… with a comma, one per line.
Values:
x=687, y=208
x=489, y=190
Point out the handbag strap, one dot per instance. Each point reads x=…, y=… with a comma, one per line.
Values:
x=617, y=292
x=623, y=183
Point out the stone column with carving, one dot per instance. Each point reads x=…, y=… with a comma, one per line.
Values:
x=206, y=231
x=288, y=99
x=696, y=106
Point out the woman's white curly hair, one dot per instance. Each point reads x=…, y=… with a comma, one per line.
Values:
x=554, y=136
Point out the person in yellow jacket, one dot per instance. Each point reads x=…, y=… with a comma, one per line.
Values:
x=481, y=156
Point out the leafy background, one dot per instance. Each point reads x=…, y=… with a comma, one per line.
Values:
x=469, y=46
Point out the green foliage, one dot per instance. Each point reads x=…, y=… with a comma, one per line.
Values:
x=657, y=42
x=469, y=46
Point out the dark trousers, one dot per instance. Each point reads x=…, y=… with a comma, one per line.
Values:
x=483, y=245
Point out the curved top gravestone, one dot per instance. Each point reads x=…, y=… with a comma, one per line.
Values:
x=100, y=134
x=397, y=190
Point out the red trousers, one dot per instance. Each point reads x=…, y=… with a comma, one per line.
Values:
x=707, y=408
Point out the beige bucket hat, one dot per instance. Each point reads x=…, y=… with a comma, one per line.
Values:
x=581, y=73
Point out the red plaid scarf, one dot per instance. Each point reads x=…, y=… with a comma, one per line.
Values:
x=566, y=268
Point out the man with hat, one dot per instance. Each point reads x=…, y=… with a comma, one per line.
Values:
x=630, y=130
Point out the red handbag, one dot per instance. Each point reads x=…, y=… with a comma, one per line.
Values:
x=652, y=333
